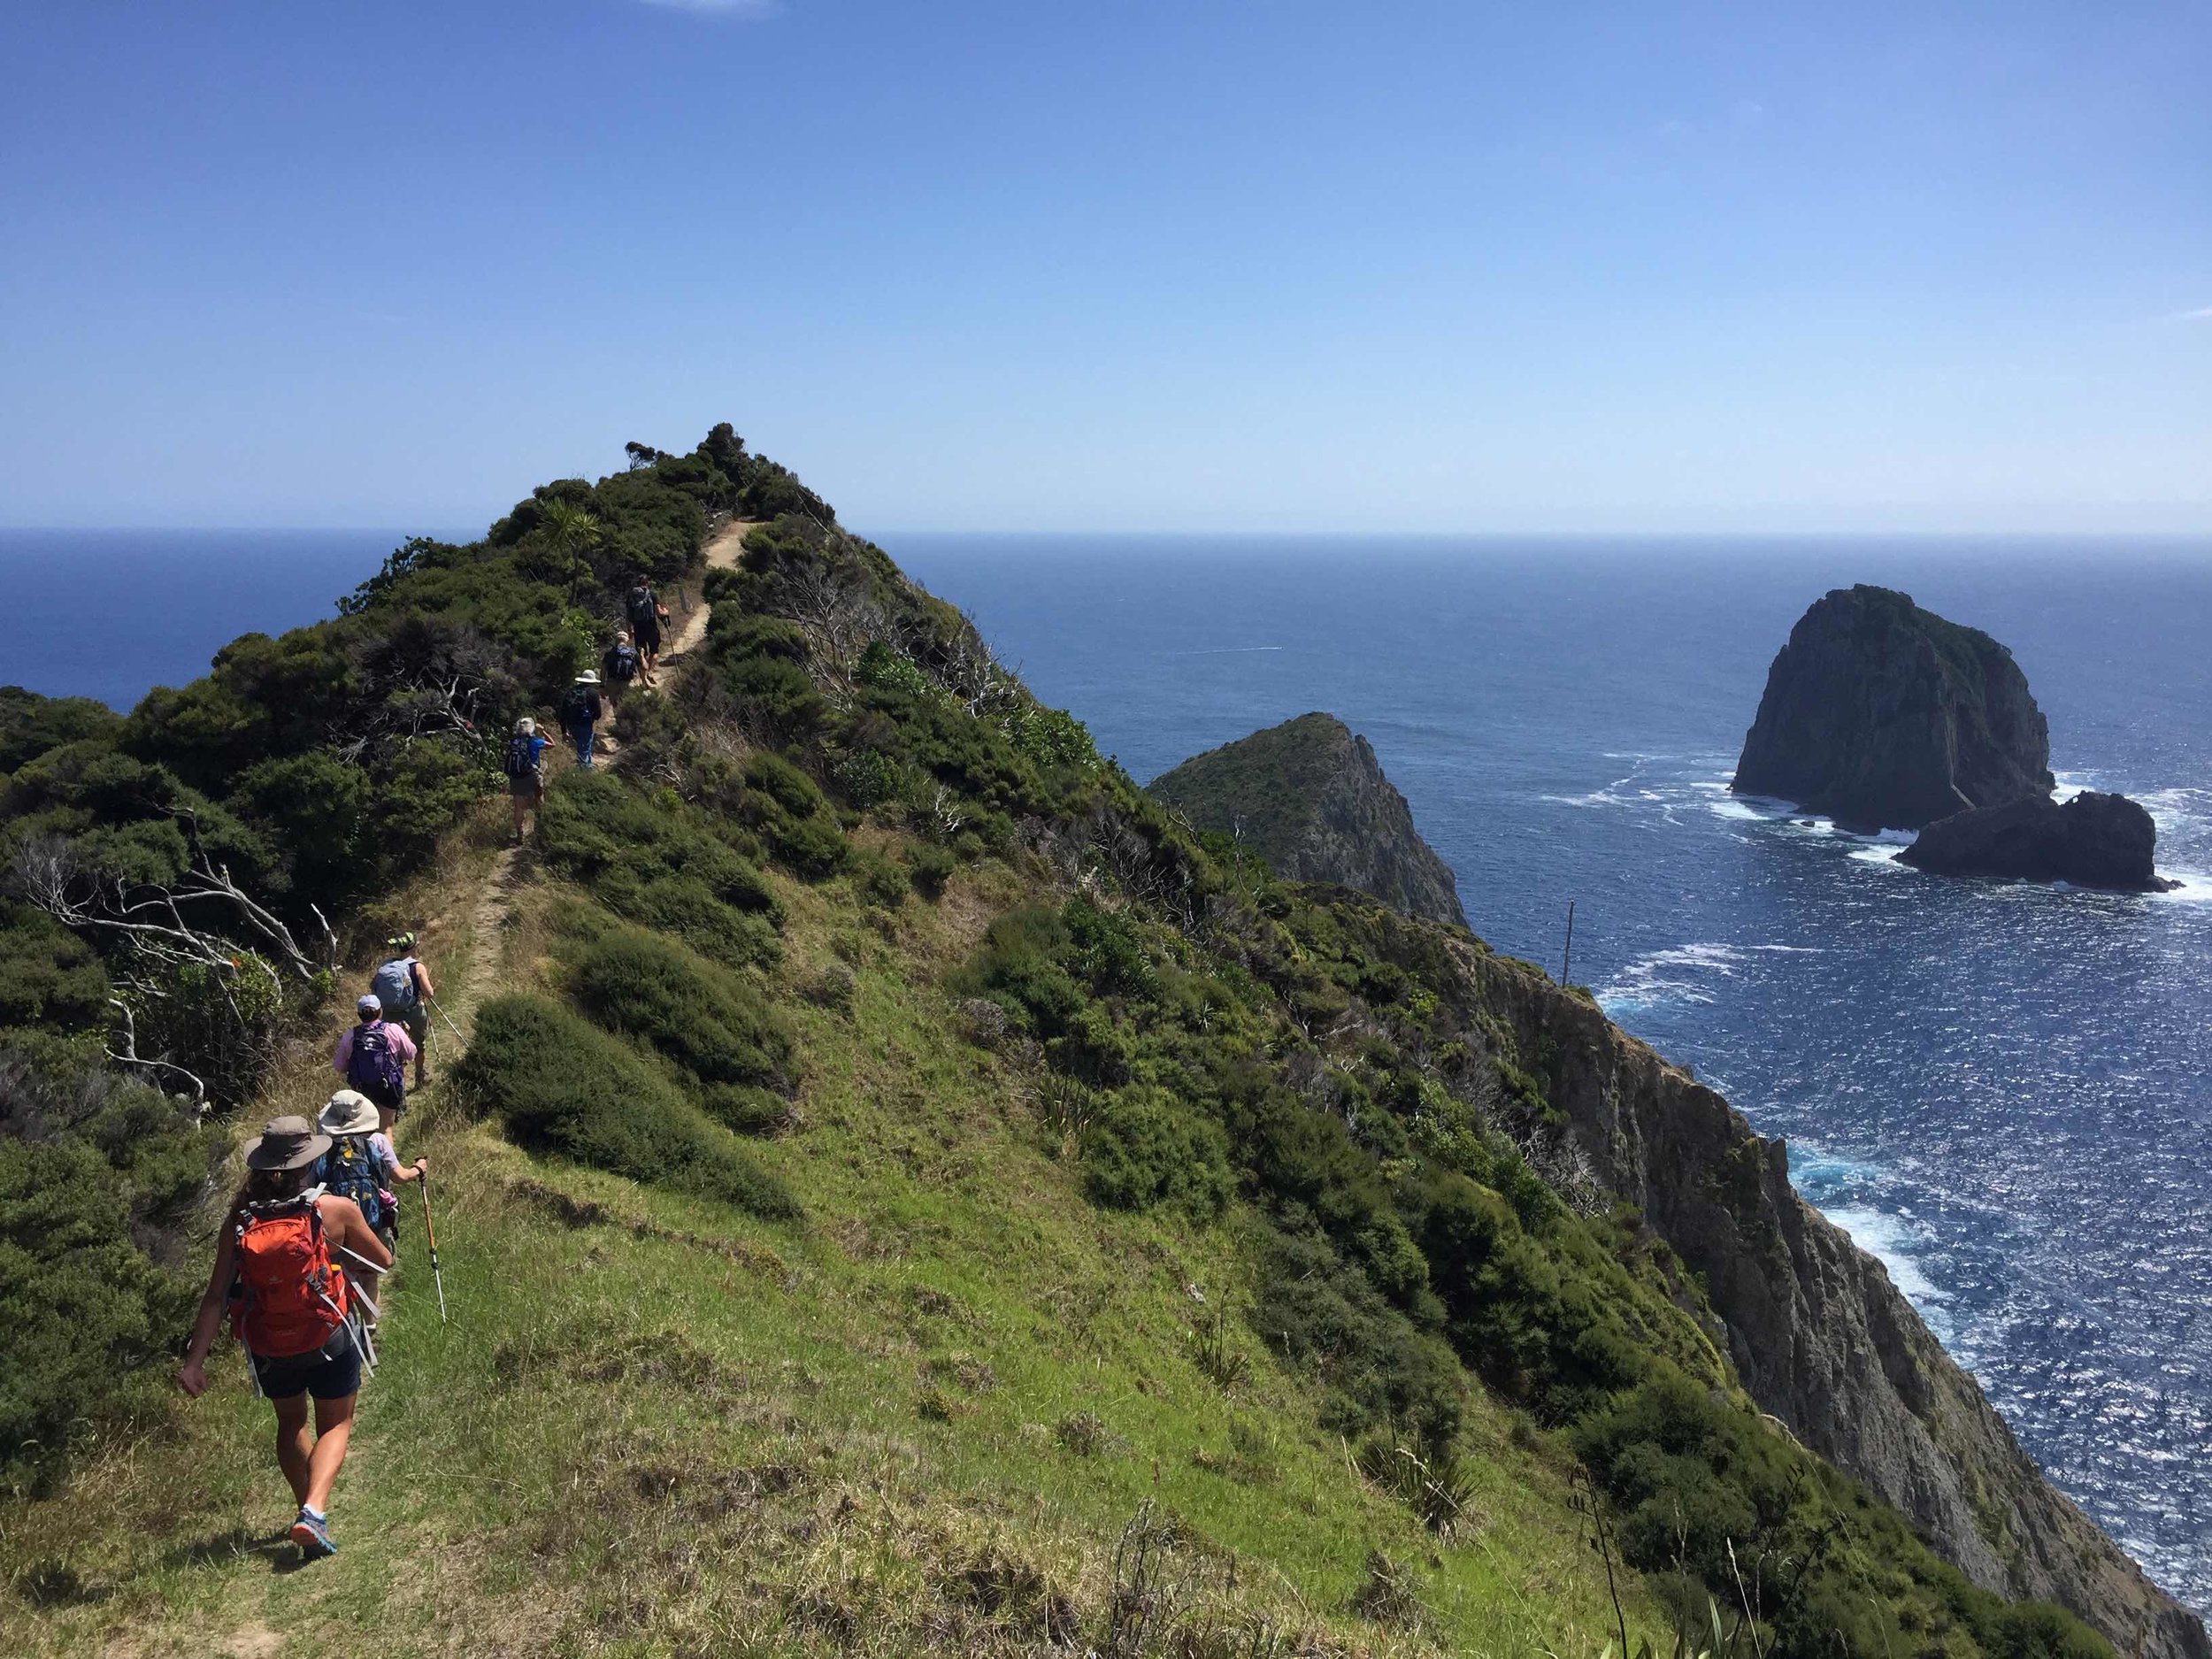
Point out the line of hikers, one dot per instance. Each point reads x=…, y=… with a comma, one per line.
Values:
x=314, y=1228
x=633, y=658
x=303, y=1251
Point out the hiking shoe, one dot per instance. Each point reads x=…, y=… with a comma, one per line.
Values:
x=313, y=1537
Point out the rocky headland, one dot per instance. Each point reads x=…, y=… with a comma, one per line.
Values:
x=1311, y=798
x=1883, y=715
x=1821, y=1336
x=2093, y=840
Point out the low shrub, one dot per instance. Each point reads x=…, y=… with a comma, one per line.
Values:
x=708, y=1020
x=1145, y=1150
x=98, y=1177
x=929, y=867
x=880, y=882
x=560, y=1084
x=660, y=861
x=746, y=1111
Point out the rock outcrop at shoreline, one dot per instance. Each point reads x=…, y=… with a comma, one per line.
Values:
x=1885, y=716
x=2093, y=840
x=1820, y=1335
x=1309, y=797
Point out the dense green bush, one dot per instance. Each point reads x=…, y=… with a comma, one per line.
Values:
x=1141, y=1152
x=558, y=1084
x=793, y=818
x=49, y=976
x=706, y=1018
x=97, y=1179
x=929, y=868
x=660, y=861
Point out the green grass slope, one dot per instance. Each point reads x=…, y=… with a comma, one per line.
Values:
x=906, y=1194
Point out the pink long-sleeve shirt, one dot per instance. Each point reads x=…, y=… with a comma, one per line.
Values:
x=394, y=1034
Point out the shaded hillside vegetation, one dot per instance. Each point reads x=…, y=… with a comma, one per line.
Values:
x=912, y=1195
x=1309, y=797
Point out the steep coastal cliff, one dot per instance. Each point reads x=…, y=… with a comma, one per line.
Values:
x=1820, y=1335
x=1887, y=716
x=1309, y=797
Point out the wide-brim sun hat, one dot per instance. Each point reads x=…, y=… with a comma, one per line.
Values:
x=526, y=728
x=349, y=1112
x=286, y=1143
x=590, y=677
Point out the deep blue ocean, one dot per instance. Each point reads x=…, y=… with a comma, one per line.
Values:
x=2003, y=1090
x=110, y=613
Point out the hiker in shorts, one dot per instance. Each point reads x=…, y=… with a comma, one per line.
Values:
x=646, y=613
x=282, y=1268
x=372, y=1057
x=402, y=985
x=361, y=1165
x=620, y=667
x=580, y=710
x=524, y=763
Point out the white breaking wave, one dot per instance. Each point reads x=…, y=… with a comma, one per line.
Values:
x=1891, y=1241
x=1743, y=811
x=1673, y=975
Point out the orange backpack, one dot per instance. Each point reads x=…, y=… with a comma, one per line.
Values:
x=285, y=1298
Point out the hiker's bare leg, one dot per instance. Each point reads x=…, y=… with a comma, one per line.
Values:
x=294, y=1449
x=334, y=1427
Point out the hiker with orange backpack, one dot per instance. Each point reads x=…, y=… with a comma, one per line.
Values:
x=281, y=1270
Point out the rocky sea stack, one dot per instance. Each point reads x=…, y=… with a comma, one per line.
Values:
x=1309, y=797
x=2094, y=841
x=1885, y=716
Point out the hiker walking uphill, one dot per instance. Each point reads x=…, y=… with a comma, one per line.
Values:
x=620, y=667
x=361, y=1163
x=402, y=985
x=282, y=1268
x=580, y=710
x=524, y=763
x=372, y=1056
x=646, y=613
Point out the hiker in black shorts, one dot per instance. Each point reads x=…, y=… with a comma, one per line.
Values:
x=288, y=1254
x=646, y=614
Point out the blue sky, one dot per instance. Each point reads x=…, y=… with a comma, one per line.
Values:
x=1117, y=265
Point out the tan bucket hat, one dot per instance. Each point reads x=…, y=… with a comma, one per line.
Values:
x=349, y=1113
x=286, y=1143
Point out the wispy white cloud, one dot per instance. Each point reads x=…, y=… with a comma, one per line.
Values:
x=749, y=10
x=2202, y=314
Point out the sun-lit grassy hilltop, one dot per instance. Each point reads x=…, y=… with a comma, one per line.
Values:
x=905, y=1190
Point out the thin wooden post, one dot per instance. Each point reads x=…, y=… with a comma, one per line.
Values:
x=1567, y=958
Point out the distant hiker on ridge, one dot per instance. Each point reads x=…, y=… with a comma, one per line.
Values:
x=646, y=612
x=403, y=985
x=620, y=666
x=281, y=1267
x=372, y=1056
x=580, y=710
x=524, y=763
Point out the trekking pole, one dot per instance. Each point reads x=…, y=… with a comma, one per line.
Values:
x=449, y=1025
x=431, y=1233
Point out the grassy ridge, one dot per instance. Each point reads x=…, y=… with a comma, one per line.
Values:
x=907, y=1193
x=927, y=1418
